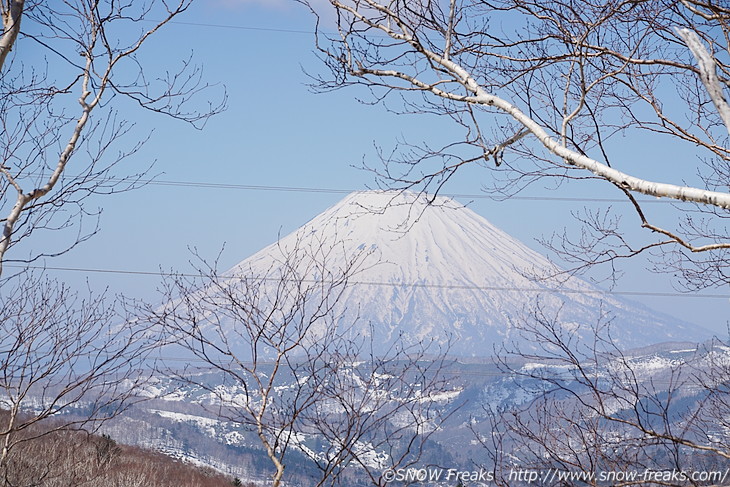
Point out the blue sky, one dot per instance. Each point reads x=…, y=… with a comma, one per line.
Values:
x=277, y=133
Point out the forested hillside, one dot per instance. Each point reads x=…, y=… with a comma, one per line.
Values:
x=62, y=458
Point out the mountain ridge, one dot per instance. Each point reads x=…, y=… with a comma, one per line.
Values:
x=434, y=269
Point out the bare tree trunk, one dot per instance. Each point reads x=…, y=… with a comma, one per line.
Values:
x=279, y=335
x=12, y=13
x=34, y=127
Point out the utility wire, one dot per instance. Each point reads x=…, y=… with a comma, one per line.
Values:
x=301, y=189
x=426, y=285
x=304, y=189
x=311, y=189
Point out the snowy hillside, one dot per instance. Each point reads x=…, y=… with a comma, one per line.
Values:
x=180, y=418
x=440, y=270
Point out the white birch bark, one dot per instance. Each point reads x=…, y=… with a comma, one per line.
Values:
x=483, y=97
x=11, y=27
x=708, y=73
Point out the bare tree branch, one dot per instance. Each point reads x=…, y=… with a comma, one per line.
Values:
x=572, y=80
x=36, y=113
x=63, y=358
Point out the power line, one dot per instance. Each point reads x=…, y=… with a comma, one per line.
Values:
x=426, y=285
x=304, y=189
x=311, y=189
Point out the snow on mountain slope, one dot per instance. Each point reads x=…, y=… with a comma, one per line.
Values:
x=439, y=270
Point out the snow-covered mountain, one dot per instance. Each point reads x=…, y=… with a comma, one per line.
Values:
x=433, y=269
